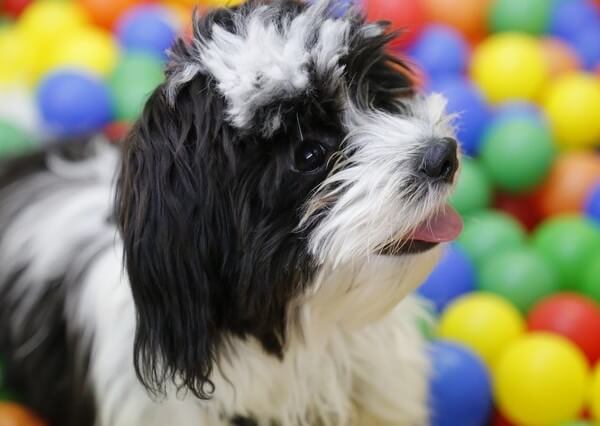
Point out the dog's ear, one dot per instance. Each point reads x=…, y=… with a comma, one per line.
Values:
x=172, y=221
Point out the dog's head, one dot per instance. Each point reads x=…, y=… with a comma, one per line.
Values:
x=284, y=145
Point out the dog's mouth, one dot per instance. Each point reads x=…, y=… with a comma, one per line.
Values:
x=446, y=225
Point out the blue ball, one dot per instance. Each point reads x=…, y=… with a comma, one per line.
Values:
x=147, y=29
x=460, y=387
x=518, y=109
x=569, y=17
x=453, y=276
x=587, y=46
x=592, y=204
x=73, y=103
x=441, y=51
x=465, y=100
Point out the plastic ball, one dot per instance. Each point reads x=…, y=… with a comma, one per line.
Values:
x=73, y=103
x=457, y=372
x=14, y=7
x=106, y=13
x=47, y=21
x=215, y=3
x=521, y=276
x=12, y=414
x=560, y=56
x=147, y=28
x=517, y=153
x=473, y=112
x=452, y=277
x=470, y=17
x=90, y=49
x=473, y=190
x=567, y=242
x=541, y=379
x=587, y=46
x=409, y=15
x=13, y=140
x=531, y=16
x=489, y=233
x=483, y=322
x=569, y=17
x=571, y=178
x=521, y=207
x=592, y=204
x=440, y=51
x=134, y=79
x=509, y=66
x=18, y=56
x=572, y=104
x=577, y=423
x=589, y=284
x=572, y=316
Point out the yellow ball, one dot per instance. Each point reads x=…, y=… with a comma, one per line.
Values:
x=508, y=66
x=595, y=394
x=91, y=49
x=47, y=21
x=572, y=105
x=484, y=322
x=541, y=379
x=18, y=58
x=217, y=3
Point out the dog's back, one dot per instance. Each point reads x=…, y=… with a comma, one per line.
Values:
x=55, y=219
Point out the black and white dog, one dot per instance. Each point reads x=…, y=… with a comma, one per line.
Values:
x=247, y=258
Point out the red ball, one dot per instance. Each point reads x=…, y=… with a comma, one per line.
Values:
x=573, y=316
x=521, y=207
x=14, y=7
x=406, y=15
x=499, y=420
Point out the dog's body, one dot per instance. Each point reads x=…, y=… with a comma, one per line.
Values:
x=273, y=206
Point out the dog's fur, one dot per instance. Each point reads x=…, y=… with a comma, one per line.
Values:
x=259, y=271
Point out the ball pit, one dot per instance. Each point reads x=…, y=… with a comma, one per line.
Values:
x=484, y=322
x=523, y=77
x=541, y=379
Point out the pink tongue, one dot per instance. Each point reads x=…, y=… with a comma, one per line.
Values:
x=444, y=226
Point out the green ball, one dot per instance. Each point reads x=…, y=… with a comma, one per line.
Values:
x=132, y=82
x=522, y=276
x=517, y=153
x=529, y=16
x=589, y=284
x=489, y=233
x=568, y=242
x=13, y=140
x=473, y=191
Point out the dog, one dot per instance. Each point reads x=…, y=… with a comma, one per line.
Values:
x=247, y=255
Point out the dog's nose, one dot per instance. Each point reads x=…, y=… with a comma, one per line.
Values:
x=440, y=160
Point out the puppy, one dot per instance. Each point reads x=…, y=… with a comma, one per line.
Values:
x=247, y=257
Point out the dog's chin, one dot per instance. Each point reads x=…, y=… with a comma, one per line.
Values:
x=406, y=247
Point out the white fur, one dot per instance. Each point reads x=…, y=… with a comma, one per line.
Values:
x=354, y=358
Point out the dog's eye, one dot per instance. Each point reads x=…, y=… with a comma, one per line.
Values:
x=310, y=156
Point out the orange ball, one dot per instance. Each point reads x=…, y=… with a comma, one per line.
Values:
x=12, y=414
x=467, y=16
x=107, y=12
x=569, y=182
x=560, y=57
